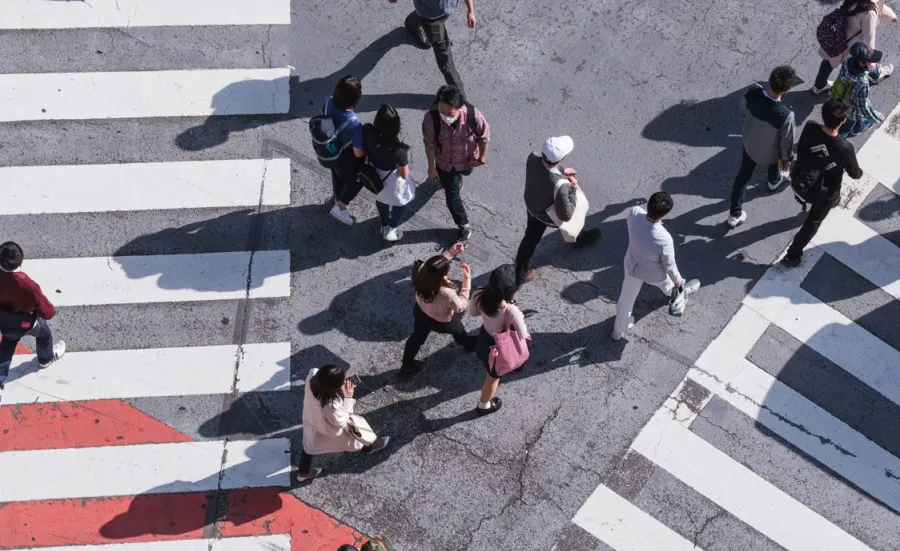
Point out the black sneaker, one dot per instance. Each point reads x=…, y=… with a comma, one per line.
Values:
x=588, y=237
x=463, y=235
x=408, y=371
x=419, y=37
x=495, y=405
x=791, y=262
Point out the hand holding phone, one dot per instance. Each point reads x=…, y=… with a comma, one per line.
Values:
x=354, y=378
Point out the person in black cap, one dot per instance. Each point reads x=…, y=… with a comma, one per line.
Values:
x=494, y=303
x=852, y=87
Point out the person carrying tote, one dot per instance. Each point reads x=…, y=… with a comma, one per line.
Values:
x=390, y=157
x=438, y=300
x=329, y=424
x=494, y=303
x=552, y=200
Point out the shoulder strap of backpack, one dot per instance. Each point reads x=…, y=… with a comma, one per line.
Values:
x=471, y=120
x=436, y=121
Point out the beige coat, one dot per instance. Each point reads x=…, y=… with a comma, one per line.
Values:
x=861, y=28
x=325, y=429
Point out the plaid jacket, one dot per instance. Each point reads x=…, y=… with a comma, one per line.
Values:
x=459, y=145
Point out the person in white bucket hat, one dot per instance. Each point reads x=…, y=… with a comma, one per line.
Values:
x=545, y=190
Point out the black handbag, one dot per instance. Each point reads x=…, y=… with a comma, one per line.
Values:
x=16, y=322
x=369, y=178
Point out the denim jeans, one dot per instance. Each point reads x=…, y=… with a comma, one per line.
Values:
x=390, y=215
x=42, y=336
x=825, y=70
x=854, y=128
x=451, y=181
x=743, y=178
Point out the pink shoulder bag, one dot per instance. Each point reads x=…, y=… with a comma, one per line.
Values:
x=510, y=349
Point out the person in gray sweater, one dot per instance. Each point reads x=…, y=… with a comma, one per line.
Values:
x=768, y=137
x=542, y=173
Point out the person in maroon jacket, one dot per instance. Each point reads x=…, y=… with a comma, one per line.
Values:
x=19, y=294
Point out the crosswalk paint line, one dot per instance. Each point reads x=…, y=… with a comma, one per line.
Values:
x=42, y=14
x=827, y=331
x=162, y=278
x=745, y=495
x=792, y=416
x=878, y=157
x=861, y=249
x=199, y=93
x=150, y=372
x=144, y=186
x=144, y=468
x=272, y=542
x=619, y=524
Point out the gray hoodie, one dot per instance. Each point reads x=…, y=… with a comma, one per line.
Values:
x=768, y=127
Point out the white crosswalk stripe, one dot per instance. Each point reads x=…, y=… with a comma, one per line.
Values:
x=79, y=433
x=781, y=300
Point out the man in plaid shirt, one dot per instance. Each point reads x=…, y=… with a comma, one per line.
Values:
x=852, y=87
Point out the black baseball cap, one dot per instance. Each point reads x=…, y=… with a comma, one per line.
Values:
x=861, y=52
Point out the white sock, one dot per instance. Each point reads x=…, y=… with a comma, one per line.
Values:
x=484, y=405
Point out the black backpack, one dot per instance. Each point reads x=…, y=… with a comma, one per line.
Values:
x=832, y=31
x=326, y=139
x=436, y=120
x=808, y=175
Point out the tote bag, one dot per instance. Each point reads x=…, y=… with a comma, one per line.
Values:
x=360, y=429
x=572, y=227
x=510, y=350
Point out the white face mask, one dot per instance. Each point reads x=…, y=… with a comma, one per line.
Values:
x=448, y=119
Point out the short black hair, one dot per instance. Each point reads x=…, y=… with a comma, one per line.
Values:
x=659, y=205
x=782, y=79
x=11, y=256
x=835, y=112
x=450, y=95
x=347, y=92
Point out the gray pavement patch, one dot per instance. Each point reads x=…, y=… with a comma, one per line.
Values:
x=576, y=538
x=828, y=386
x=630, y=475
x=798, y=475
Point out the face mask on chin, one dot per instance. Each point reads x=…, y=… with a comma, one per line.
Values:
x=448, y=119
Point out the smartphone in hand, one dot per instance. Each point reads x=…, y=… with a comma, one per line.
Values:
x=354, y=378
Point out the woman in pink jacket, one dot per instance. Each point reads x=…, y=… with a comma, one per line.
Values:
x=862, y=22
x=438, y=301
x=494, y=303
x=327, y=406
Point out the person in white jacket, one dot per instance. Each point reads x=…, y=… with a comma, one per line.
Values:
x=650, y=259
x=327, y=406
x=862, y=23
x=390, y=157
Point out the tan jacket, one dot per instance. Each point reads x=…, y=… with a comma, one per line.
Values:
x=325, y=429
x=861, y=28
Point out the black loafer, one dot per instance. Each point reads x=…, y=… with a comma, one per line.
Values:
x=495, y=405
x=408, y=371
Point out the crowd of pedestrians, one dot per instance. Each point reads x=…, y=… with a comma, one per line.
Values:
x=456, y=139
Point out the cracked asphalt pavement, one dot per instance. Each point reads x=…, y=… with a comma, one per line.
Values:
x=649, y=92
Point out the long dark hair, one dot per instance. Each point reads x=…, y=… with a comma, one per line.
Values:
x=431, y=277
x=387, y=126
x=326, y=385
x=845, y=7
x=501, y=286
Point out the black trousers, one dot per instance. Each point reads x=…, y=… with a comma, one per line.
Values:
x=436, y=29
x=344, y=179
x=534, y=231
x=305, y=464
x=423, y=325
x=814, y=219
x=743, y=178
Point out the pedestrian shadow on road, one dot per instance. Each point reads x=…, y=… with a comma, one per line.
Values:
x=152, y=514
x=306, y=97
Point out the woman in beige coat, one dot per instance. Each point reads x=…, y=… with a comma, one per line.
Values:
x=327, y=407
x=862, y=22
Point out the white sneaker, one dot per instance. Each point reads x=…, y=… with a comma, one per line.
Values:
x=341, y=215
x=822, y=90
x=735, y=221
x=59, y=349
x=691, y=286
x=885, y=70
x=617, y=336
x=776, y=185
x=393, y=234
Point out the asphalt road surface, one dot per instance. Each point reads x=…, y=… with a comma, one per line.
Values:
x=195, y=295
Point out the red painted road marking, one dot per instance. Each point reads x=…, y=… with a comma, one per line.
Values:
x=58, y=425
x=164, y=517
